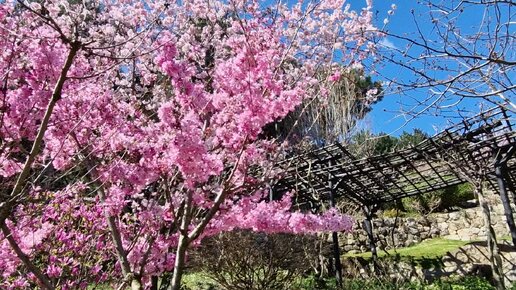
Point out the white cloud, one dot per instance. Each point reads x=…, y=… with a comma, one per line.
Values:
x=386, y=43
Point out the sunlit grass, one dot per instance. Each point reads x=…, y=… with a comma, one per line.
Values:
x=432, y=248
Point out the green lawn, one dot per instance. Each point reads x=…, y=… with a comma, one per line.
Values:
x=432, y=248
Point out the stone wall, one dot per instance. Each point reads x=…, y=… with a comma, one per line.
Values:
x=470, y=260
x=466, y=224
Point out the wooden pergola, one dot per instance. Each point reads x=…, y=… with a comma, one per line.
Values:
x=485, y=140
x=380, y=179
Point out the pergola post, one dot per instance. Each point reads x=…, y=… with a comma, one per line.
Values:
x=335, y=240
x=510, y=185
x=492, y=245
x=500, y=168
x=368, y=227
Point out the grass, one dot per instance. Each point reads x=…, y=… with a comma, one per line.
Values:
x=392, y=213
x=198, y=281
x=504, y=238
x=432, y=248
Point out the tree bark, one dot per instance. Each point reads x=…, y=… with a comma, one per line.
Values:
x=136, y=284
x=335, y=240
x=179, y=264
x=183, y=242
x=185, y=238
x=120, y=251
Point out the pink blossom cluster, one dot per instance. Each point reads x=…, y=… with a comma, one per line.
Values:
x=258, y=214
x=160, y=112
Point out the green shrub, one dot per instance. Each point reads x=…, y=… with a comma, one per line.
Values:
x=424, y=203
x=439, y=200
x=313, y=282
x=392, y=213
x=380, y=284
x=198, y=281
x=464, y=283
x=455, y=195
x=475, y=283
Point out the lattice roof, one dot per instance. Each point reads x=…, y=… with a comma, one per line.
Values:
x=417, y=170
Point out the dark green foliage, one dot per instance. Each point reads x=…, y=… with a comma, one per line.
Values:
x=315, y=283
x=385, y=144
x=407, y=140
x=439, y=200
x=463, y=283
x=379, y=284
x=199, y=282
x=455, y=195
x=365, y=143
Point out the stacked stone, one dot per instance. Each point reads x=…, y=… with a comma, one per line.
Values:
x=465, y=225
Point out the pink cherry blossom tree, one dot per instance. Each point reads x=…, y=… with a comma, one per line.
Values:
x=129, y=130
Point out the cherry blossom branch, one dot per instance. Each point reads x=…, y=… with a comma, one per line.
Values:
x=145, y=259
x=218, y=200
x=119, y=247
x=129, y=276
x=24, y=258
x=48, y=20
x=36, y=147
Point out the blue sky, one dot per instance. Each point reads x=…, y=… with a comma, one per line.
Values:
x=385, y=116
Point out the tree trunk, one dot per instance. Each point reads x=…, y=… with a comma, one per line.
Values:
x=494, y=251
x=182, y=245
x=180, y=262
x=136, y=284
